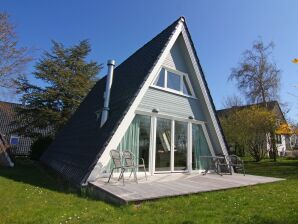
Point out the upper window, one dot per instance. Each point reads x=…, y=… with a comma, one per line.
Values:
x=173, y=81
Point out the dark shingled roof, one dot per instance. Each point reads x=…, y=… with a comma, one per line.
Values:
x=78, y=146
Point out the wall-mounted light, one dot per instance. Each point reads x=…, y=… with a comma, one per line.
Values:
x=155, y=110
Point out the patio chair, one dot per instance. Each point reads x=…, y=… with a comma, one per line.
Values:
x=237, y=163
x=129, y=163
x=221, y=165
x=117, y=160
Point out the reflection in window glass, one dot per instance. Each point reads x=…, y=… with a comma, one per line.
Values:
x=163, y=145
x=14, y=140
x=160, y=81
x=173, y=81
x=137, y=139
x=180, y=147
x=185, y=88
x=200, y=148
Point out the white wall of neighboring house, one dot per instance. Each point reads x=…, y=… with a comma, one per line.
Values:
x=281, y=147
x=294, y=141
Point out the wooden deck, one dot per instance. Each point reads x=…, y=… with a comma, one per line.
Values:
x=168, y=185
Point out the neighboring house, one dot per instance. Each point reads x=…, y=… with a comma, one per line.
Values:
x=282, y=141
x=5, y=159
x=159, y=107
x=19, y=145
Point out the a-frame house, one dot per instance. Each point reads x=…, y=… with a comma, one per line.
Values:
x=159, y=108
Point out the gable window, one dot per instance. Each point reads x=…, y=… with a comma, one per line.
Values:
x=173, y=81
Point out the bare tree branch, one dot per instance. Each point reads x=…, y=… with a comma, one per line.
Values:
x=257, y=76
x=13, y=59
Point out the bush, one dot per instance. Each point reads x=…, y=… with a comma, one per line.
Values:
x=292, y=154
x=39, y=146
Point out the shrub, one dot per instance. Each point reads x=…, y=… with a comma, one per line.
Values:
x=39, y=146
x=292, y=154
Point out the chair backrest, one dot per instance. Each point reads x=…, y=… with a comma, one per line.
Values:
x=233, y=159
x=128, y=159
x=116, y=158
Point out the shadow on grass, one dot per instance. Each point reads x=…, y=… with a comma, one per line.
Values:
x=31, y=172
x=282, y=168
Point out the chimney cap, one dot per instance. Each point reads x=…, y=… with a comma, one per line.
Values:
x=111, y=62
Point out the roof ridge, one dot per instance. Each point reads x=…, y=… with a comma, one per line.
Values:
x=7, y=102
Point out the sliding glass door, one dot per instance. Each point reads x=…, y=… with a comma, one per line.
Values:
x=166, y=145
x=171, y=145
x=137, y=139
x=180, y=146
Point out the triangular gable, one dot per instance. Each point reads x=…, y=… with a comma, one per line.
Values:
x=180, y=30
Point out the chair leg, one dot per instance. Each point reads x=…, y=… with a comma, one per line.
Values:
x=111, y=175
x=121, y=174
x=145, y=172
x=135, y=174
x=130, y=173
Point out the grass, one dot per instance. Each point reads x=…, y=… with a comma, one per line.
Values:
x=28, y=194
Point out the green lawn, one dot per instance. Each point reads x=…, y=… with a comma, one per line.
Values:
x=29, y=195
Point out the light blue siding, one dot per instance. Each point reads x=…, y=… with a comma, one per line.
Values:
x=172, y=104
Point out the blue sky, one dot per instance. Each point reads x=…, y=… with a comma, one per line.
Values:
x=221, y=31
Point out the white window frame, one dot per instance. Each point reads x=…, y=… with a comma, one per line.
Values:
x=182, y=75
x=152, y=147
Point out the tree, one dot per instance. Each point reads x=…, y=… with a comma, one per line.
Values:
x=250, y=128
x=232, y=101
x=12, y=58
x=257, y=75
x=67, y=77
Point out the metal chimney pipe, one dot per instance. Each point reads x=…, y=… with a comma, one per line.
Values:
x=109, y=81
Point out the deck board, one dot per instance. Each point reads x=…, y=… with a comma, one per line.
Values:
x=167, y=185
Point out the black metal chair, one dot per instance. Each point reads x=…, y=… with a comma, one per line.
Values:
x=237, y=163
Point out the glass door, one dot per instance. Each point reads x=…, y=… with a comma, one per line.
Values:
x=163, y=145
x=180, y=146
x=171, y=145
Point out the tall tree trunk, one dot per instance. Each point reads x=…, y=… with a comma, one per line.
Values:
x=273, y=146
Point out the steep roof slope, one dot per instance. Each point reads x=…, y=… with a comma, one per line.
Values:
x=77, y=147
